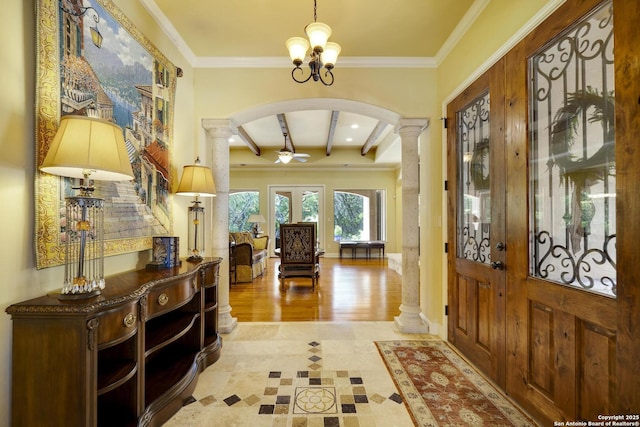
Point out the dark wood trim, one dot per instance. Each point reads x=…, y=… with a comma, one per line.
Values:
x=626, y=15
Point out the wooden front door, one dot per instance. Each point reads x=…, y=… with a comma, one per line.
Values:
x=561, y=215
x=543, y=321
x=477, y=247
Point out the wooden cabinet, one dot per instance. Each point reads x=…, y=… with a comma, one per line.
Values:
x=130, y=356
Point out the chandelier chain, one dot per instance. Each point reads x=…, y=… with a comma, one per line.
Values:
x=315, y=11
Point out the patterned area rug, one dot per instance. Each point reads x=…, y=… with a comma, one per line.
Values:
x=442, y=389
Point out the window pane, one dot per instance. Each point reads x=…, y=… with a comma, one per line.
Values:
x=572, y=159
x=359, y=214
x=282, y=212
x=474, y=193
x=242, y=204
x=310, y=206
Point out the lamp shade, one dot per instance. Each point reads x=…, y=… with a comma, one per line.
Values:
x=297, y=47
x=256, y=218
x=318, y=34
x=85, y=146
x=197, y=180
x=330, y=54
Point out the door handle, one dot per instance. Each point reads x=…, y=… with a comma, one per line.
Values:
x=497, y=265
x=501, y=246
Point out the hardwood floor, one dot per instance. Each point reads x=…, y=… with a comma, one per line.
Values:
x=347, y=290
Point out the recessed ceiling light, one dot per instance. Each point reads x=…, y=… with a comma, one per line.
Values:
x=349, y=139
x=230, y=139
x=354, y=126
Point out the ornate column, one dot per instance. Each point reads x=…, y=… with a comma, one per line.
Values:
x=409, y=320
x=218, y=132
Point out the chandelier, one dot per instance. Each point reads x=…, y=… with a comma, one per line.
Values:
x=324, y=54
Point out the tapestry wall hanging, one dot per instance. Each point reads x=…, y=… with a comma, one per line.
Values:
x=92, y=61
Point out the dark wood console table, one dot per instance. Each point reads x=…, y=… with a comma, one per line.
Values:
x=128, y=357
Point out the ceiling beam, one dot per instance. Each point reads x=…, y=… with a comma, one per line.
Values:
x=375, y=134
x=288, y=142
x=248, y=140
x=332, y=130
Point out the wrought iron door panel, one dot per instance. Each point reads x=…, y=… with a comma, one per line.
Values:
x=473, y=191
x=572, y=159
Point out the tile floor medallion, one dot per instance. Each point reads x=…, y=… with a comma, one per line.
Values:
x=299, y=374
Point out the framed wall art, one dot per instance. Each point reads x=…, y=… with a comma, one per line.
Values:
x=92, y=61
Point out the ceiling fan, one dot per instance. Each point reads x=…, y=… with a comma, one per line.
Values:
x=286, y=155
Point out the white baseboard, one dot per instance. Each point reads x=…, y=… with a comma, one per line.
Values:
x=434, y=328
x=395, y=262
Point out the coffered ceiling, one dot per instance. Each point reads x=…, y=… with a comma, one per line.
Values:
x=252, y=32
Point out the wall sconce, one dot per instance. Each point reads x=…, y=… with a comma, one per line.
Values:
x=90, y=149
x=196, y=181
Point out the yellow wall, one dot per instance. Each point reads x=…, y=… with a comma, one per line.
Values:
x=221, y=93
x=498, y=23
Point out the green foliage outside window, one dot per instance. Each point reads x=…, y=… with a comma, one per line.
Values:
x=241, y=205
x=348, y=212
x=310, y=207
x=283, y=209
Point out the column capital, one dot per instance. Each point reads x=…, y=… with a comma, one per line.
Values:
x=219, y=128
x=411, y=127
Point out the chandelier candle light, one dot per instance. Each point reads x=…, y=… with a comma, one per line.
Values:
x=90, y=149
x=196, y=181
x=323, y=53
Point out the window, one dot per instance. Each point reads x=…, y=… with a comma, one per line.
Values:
x=359, y=214
x=572, y=167
x=241, y=205
x=474, y=192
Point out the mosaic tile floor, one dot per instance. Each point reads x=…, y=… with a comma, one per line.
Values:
x=299, y=374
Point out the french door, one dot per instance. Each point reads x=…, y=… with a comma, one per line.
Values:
x=533, y=271
x=290, y=204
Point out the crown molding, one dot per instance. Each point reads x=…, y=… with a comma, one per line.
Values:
x=285, y=62
x=463, y=26
x=169, y=30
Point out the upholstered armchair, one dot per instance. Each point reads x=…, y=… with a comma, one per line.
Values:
x=298, y=252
